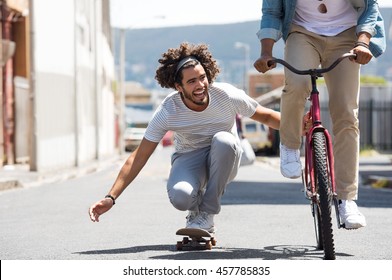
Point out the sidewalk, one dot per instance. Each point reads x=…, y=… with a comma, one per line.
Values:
x=374, y=169
x=19, y=175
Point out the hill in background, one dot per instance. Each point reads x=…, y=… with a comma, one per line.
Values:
x=145, y=46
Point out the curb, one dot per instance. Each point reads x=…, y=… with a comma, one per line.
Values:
x=378, y=162
x=19, y=176
x=379, y=182
x=7, y=184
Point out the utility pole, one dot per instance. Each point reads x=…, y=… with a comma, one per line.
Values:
x=246, y=48
x=122, y=91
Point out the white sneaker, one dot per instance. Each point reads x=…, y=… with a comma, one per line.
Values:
x=203, y=221
x=350, y=215
x=191, y=217
x=290, y=162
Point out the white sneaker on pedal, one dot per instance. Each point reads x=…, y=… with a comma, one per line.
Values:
x=350, y=215
x=203, y=221
x=290, y=162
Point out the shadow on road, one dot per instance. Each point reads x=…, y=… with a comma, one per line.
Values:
x=128, y=250
x=275, y=252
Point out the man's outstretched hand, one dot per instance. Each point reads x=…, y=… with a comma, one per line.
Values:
x=306, y=123
x=100, y=208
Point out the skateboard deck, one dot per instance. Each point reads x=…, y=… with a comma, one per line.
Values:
x=195, y=239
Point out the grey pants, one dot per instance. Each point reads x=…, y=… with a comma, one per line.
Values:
x=198, y=179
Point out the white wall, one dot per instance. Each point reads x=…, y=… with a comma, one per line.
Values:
x=68, y=88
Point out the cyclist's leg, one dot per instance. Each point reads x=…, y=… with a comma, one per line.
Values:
x=302, y=52
x=343, y=87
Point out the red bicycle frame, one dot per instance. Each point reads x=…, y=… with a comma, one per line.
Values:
x=317, y=126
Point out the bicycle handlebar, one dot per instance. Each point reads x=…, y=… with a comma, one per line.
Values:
x=317, y=71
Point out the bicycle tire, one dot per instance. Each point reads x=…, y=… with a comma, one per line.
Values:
x=321, y=175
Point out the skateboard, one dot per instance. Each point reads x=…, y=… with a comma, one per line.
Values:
x=195, y=239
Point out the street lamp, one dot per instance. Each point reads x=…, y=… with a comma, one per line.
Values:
x=122, y=60
x=246, y=48
x=122, y=91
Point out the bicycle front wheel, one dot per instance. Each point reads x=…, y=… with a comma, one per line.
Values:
x=322, y=183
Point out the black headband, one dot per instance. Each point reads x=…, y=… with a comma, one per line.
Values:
x=183, y=62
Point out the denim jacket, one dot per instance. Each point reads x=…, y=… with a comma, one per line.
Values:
x=277, y=16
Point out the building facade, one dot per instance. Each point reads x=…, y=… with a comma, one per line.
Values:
x=58, y=101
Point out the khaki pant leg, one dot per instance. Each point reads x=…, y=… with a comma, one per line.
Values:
x=301, y=52
x=343, y=88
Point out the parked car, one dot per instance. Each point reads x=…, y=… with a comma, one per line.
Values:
x=168, y=140
x=256, y=133
x=132, y=137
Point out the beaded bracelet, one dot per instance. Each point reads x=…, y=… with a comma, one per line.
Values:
x=111, y=197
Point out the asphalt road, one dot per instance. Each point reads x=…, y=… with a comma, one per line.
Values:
x=264, y=217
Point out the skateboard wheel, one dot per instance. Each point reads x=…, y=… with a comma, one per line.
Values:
x=185, y=240
x=208, y=245
x=179, y=246
x=213, y=242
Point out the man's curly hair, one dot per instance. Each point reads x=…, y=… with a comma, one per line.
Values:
x=166, y=72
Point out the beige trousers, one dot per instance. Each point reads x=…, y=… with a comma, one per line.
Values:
x=305, y=50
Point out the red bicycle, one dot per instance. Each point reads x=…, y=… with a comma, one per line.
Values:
x=318, y=174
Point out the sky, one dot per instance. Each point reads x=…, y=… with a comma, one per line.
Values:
x=164, y=13
x=161, y=13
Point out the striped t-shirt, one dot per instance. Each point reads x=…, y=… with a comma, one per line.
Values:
x=194, y=130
